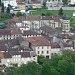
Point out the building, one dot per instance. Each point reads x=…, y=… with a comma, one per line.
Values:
x=30, y=33
x=71, y=2
x=65, y=23
x=11, y=2
x=53, y=3
x=40, y=45
x=12, y=33
x=17, y=57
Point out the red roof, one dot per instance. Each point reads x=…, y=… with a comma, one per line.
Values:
x=38, y=41
x=15, y=31
x=67, y=45
x=17, y=19
x=54, y=45
x=1, y=55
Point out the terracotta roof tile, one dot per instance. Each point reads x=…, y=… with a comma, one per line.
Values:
x=54, y=45
x=15, y=31
x=38, y=41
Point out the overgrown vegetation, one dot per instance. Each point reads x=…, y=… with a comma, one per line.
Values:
x=58, y=65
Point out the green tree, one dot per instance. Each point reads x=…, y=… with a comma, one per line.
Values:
x=64, y=67
x=65, y=2
x=46, y=69
x=72, y=22
x=44, y=4
x=69, y=55
x=60, y=11
x=55, y=59
x=18, y=14
x=8, y=10
x=41, y=59
x=2, y=7
x=32, y=68
x=0, y=3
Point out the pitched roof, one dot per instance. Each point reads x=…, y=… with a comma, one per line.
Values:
x=5, y=32
x=67, y=45
x=32, y=18
x=15, y=31
x=46, y=17
x=51, y=30
x=12, y=53
x=38, y=41
x=48, y=29
x=30, y=32
x=54, y=45
x=36, y=1
x=6, y=55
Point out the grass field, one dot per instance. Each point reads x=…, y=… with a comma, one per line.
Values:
x=52, y=12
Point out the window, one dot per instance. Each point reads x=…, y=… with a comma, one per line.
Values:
x=47, y=57
x=47, y=52
x=38, y=52
x=42, y=47
x=42, y=52
x=51, y=53
x=0, y=61
x=38, y=47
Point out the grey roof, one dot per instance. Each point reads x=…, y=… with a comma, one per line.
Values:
x=12, y=53
x=51, y=30
x=5, y=32
x=66, y=17
x=6, y=55
x=30, y=32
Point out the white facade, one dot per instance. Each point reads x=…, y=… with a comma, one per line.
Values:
x=6, y=37
x=11, y=2
x=17, y=59
x=43, y=50
x=71, y=2
x=53, y=3
x=66, y=25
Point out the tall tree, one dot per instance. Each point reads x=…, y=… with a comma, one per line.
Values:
x=2, y=7
x=8, y=9
x=60, y=11
x=44, y=4
x=65, y=1
x=0, y=3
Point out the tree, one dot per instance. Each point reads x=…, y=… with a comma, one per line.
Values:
x=55, y=59
x=0, y=3
x=69, y=56
x=2, y=7
x=44, y=4
x=18, y=14
x=64, y=67
x=41, y=59
x=65, y=1
x=72, y=22
x=8, y=10
x=46, y=69
x=60, y=11
x=32, y=68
